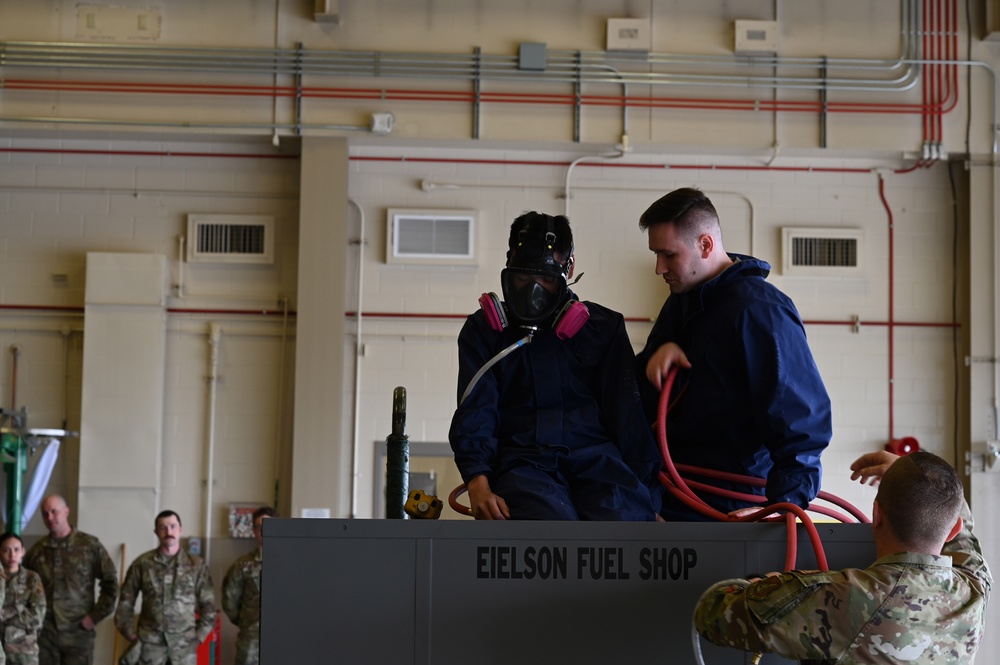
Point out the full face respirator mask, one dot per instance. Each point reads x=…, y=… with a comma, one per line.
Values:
x=532, y=296
x=535, y=288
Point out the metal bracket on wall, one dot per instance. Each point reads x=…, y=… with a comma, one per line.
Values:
x=991, y=455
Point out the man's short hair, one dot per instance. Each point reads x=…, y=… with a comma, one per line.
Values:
x=164, y=514
x=263, y=511
x=58, y=498
x=921, y=496
x=687, y=208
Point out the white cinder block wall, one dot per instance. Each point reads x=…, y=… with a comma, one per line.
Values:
x=139, y=204
x=57, y=206
x=68, y=189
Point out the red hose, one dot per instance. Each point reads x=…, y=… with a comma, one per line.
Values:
x=455, y=505
x=682, y=490
x=853, y=511
x=791, y=542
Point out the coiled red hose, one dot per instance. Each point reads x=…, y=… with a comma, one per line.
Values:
x=681, y=488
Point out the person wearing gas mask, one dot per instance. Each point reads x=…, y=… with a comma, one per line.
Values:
x=549, y=424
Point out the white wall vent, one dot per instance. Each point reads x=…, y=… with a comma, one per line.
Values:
x=434, y=237
x=822, y=252
x=230, y=239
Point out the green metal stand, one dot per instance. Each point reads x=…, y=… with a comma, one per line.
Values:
x=15, y=463
x=16, y=442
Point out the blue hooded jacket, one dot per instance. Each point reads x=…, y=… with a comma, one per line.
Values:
x=753, y=402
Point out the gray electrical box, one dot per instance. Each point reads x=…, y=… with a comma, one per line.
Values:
x=426, y=592
x=532, y=56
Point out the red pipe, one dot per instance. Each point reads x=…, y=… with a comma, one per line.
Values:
x=928, y=79
x=145, y=153
x=45, y=308
x=233, y=312
x=911, y=324
x=436, y=315
x=619, y=165
x=611, y=165
x=646, y=319
x=14, y=353
x=411, y=315
x=65, y=309
x=69, y=309
x=937, y=81
x=927, y=107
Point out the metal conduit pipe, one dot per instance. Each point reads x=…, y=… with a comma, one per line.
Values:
x=292, y=61
x=499, y=68
x=562, y=66
x=358, y=354
x=279, y=405
x=214, y=340
x=996, y=310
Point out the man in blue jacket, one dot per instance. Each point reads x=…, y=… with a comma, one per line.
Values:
x=549, y=423
x=750, y=399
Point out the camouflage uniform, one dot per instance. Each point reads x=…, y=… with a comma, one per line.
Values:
x=178, y=606
x=918, y=609
x=3, y=595
x=241, y=603
x=22, y=616
x=68, y=568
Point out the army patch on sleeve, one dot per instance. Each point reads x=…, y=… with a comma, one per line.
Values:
x=760, y=590
x=774, y=597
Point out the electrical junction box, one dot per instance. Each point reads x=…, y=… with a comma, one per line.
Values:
x=629, y=34
x=96, y=22
x=327, y=11
x=532, y=56
x=756, y=37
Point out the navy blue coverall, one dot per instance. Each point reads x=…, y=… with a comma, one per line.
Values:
x=557, y=425
x=753, y=402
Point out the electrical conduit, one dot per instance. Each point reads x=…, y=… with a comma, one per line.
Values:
x=214, y=341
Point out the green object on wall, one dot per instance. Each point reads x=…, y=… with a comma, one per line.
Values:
x=16, y=442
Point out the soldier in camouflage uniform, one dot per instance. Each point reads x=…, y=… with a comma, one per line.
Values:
x=69, y=562
x=923, y=601
x=178, y=605
x=241, y=594
x=23, y=610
